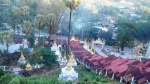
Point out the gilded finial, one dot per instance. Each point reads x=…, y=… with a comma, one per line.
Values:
x=22, y=56
x=71, y=59
x=69, y=66
x=28, y=67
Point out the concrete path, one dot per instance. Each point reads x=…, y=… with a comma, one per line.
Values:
x=128, y=53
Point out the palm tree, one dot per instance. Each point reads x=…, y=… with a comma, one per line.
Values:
x=7, y=37
x=16, y=17
x=24, y=12
x=71, y=4
x=51, y=24
x=27, y=27
x=124, y=37
x=39, y=23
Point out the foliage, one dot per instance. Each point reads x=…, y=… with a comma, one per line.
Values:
x=124, y=37
x=52, y=78
x=90, y=32
x=51, y=24
x=71, y=4
x=27, y=28
x=1, y=73
x=44, y=56
x=31, y=40
x=39, y=22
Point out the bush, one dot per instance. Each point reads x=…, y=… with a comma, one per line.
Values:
x=97, y=79
x=1, y=72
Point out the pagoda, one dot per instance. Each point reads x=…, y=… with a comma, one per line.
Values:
x=59, y=56
x=72, y=60
x=28, y=67
x=54, y=47
x=68, y=73
x=22, y=59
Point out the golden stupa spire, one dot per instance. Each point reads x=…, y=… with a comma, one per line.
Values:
x=64, y=58
x=28, y=67
x=69, y=66
x=22, y=56
x=71, y=58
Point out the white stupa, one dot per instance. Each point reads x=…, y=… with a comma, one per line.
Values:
x=68, y=73
x=22, y=59
x=57, y=51
x=59, y=56
x=54, y=47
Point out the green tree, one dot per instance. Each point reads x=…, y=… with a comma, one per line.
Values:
x=43, y=56
x=90, y=32
x=7, y=38
x=51, y=24
x=71, y=4
x=124, y=37
x=39, y=22
x=24, y=12
x=49, y=57
x=27, y=27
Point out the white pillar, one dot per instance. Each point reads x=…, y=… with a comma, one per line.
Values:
x=100, y=72
x=132, y=81
x=121, y=79
x=96, y=71
x=113, y=76
x=106, y=73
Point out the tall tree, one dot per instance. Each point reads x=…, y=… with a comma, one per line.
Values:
x=27, y=27
x=7, y=38
x=71, y=4
x=124, y=37
x=39, y=22
x=51, y=24
x=24, y=12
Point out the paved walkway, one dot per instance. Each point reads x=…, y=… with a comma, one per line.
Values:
x=127, y=52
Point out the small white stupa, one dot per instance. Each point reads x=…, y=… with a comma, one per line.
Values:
x=22, y=59
x=54, y=47
x=72, y=60
x=68, y=73
x=57, y=51
x=59, y=57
